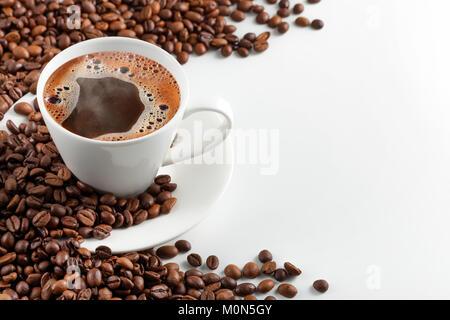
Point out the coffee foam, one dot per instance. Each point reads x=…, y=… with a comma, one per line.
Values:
x=158, y=89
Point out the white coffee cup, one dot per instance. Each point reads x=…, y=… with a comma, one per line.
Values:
x=128, y=167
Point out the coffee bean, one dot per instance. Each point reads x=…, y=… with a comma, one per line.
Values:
x=262, y=17
x=291, y=269
x=212, y=262
x=287, y=290
x=199, y=49
x=321, y=285
x=195, y=282
x=23, y=108
x=265, y=286
x=313, y=1
x=41, y=219
x=245, y=289
x=228, y=283
x=183, y=57
x=183, y=245
x=224, y=294
x=265, y=256
x=243, y=52
x=284, y=12
x=101, y=231
x=302, y=22
x=237, y=15
x=233, y=271
x=298, y=8
x=250, y=270
x=167, y=205
x=283, y=27
x=162, y=179
x=280, y=275
x=167, y=252
x=226, y=51
x=274, y=21
x=173, y=278
x=194, y=260
x=317, y=24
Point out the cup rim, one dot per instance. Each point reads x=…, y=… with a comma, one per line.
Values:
x=184, y=96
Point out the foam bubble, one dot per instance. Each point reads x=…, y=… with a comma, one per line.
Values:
x=158, y=89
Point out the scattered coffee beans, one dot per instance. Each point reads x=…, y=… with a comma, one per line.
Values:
x=291, y=269
x=265, y=286
x=302, y=22
x=298, y=8
x=233, y=271
x=317, y=24
x=265, y=256
x=250, y=270
x=287, y=290
x=212, y=262
x=320, y=285
x=183, y=245
x=280, y=275
x=194, y=260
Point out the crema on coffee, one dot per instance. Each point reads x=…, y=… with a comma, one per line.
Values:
x=112, y=96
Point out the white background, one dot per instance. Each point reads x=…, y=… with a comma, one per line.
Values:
x=362, y=194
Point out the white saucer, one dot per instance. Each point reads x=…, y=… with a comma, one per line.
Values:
x=199, y=187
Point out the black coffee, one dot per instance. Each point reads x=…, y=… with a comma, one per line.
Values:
x=112, y=96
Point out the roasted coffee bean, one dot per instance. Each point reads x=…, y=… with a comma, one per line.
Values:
x=183, y=245
x=262, y=17
x=41, y=219
x=167, y=252
x=298, y=8
x=200, y=48
x=23, y=108
x=94, y=277
x=269, y=267
x=280, y=275
x=233, y=271
x=195, y=282
x=237, y=15
x=274, y=21
x=265, y=256
x=321, y=285
x=245, y=289
x=283, y=27
x=103, y=252
x=227, y=50
x=287, y=290
x=167, y=205
x=313, y=1
x=162, y=179
x=224, y=294
x=243, y=52
x=284, y=12
x=163, y=196
x=250, y=270
x=265, y=286
x=291, y=269
x=228, y=283
x=212, y=262
x=194, y=260
x=317, y=24
x=101, y=231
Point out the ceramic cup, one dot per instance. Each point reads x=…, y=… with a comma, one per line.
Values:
x=126, y=168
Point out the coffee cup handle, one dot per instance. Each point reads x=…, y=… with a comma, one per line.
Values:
x=216, y=105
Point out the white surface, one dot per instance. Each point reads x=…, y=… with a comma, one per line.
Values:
x=363, y=109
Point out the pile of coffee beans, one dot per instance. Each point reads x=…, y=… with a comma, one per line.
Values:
x=40, y=197
x=47, y=269
x=33, y=31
